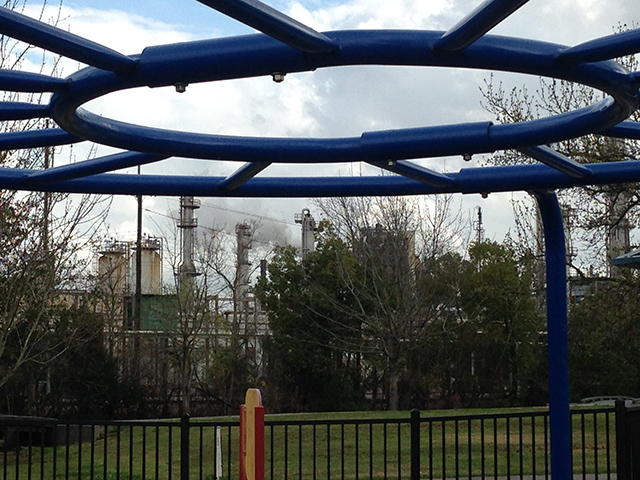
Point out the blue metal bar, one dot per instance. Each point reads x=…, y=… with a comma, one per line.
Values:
x=556, y=261
x=486, y=16
x=416, y=172
x=556, y=160
x=604, y=48
x=50, y=137
x=629, y=130
x=567, y=124
x=50, y=38
x=22, y=111
x=253, y=55
x=243, y=175
x=426, y=142
x=92, y=167
x=15, y=81
x=472, y=180
x=275, y=24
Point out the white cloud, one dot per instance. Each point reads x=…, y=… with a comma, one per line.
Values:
x=370, y=14
x=328, y=102
x=116, y=29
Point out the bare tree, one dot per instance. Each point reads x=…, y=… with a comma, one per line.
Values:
x=601, y=208
x=194, y=328
x=394, y=303
x=40, y=258
x=43, y=237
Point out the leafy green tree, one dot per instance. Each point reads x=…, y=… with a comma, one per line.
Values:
x=79, y=379
x=366, y=295
x=604, y=334
x=431, y=373
x=313, y=355
x=375, y=317
x=504, y=325
x=228, y=376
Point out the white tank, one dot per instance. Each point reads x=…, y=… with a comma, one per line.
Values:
x=151, y=267
x=112, y=271
x=151, y=272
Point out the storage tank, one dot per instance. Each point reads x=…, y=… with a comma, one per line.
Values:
x=112, y=267
x=151, y=266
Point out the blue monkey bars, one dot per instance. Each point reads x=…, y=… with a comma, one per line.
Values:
x=286, y=46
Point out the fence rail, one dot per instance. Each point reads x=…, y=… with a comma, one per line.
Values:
x=514, y=444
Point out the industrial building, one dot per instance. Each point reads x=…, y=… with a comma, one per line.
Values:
x=144, y=327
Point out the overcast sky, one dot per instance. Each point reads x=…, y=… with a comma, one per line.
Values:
x=325, y=103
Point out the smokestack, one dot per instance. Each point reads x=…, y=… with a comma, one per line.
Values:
x=244, y=237
x=308, y=228
x=187, y=224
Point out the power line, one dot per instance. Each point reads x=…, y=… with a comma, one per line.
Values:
x=278, y=220
x=206, y=228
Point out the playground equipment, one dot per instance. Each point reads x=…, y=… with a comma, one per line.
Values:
x=252, y=436
x=286, y=46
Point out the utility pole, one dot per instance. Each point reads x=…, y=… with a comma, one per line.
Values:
x=137, y=296
x=47, y=163
x=138, y=292
x=47, y=204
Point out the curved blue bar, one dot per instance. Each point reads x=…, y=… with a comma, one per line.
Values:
x=558, y=340
x=91, y=167
x=219, y=147
x=274, y=23
x=556, y=128
x=629, y=130
x=50, y=38
x=486, y=16
x=22, y=111
x=253, y=55
x=604, y=48
x=50, y=137
x=427, y=141
x=472, y=180
x=15, y=81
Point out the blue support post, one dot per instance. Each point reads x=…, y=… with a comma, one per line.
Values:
x=92, y=166
x=486, y=16
x=557, y=160
x=275, y=24
x=243, y=175
x=556, y=260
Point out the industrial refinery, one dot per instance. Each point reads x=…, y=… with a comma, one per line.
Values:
x=144, y=323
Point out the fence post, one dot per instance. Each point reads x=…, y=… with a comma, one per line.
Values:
x=184, y=447
x=415, y=444
x=623, y=460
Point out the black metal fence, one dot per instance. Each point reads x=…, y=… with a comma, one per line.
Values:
x=514, y=444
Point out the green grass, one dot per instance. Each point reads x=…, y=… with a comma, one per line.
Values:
x=369, y=451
